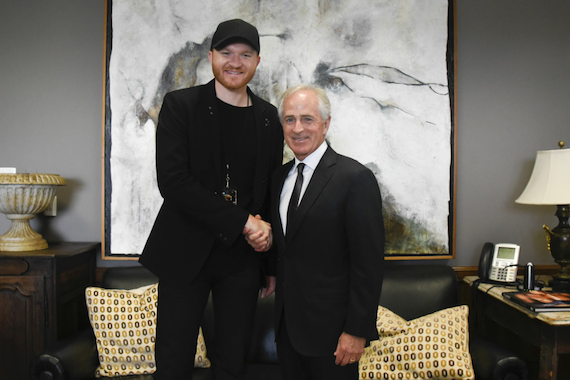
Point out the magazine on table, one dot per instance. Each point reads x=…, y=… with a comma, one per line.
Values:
x=540, y=301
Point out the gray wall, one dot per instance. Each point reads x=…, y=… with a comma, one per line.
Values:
x=513, y=87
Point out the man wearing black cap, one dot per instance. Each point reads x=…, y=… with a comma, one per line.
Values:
x=216, y=147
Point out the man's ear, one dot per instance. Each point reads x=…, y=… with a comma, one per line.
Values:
x=210, y=56
x=327, y=124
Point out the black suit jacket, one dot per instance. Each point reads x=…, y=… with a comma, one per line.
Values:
x=188, y=157
x=330, y=265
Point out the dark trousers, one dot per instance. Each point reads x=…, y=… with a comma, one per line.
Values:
x=295, y=366
x=180, y=310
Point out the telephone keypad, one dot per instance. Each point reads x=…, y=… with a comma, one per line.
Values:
x=506, y=274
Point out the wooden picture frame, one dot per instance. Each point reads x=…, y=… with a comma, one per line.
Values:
x=398, y=229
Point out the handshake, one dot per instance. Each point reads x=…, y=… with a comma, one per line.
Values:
x=258, y=233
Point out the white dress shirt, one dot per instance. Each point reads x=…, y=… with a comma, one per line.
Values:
x=311, y=162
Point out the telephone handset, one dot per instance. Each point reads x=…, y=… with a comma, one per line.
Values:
x=498, y=262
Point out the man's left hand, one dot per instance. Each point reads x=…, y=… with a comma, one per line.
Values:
x=349, y=349
x=271, y=282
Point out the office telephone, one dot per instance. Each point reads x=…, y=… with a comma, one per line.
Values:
x=499, y=262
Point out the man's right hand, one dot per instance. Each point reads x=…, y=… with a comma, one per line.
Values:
x=258, y=233
x=349, y=349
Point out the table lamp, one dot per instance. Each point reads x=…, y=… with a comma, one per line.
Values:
x=549, y=184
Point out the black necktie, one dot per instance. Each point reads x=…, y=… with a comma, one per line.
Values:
x=294, y=202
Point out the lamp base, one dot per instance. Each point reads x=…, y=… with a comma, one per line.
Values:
x=558, y=240
x=559, y=284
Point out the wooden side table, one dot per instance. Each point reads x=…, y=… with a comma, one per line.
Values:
x=42, y=300
x=548, y=331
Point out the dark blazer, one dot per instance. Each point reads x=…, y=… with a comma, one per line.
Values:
x=190, y=178
x=330, y=265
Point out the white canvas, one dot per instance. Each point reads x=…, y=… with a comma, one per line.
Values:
x=381, y=62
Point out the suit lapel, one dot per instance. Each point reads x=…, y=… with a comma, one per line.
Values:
x=321, y=176
x=211, y=116
x=262, y=125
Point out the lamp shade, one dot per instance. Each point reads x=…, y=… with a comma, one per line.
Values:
x=549, y=182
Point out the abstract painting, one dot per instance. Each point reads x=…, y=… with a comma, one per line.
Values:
x=386, y=65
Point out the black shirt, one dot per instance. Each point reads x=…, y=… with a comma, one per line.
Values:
x=239, y=151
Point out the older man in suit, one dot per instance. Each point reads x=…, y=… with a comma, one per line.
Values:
x=329, y=233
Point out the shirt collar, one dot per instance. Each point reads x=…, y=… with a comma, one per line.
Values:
x=313, y=159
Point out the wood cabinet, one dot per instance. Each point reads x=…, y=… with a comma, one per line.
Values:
x=42, y=301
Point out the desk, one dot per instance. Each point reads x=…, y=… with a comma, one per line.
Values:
x=42, y=301
x=548, y=331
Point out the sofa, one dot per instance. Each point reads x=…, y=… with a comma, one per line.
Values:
x=410, y=291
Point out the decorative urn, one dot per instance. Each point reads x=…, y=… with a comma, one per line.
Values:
x=22, y=196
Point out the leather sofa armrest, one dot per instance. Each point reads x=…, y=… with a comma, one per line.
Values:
x=71, y=359
x=492, y=362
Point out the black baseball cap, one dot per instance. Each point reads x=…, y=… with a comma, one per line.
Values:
x=235, y=29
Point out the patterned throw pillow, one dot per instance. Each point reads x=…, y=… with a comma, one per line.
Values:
x=435, y=346
x=124, y=323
